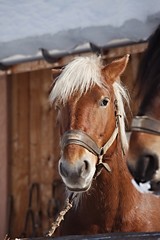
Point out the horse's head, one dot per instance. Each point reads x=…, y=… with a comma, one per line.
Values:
x=144, y=147
x=86, y=95
x=143, y=156
x=144, y=151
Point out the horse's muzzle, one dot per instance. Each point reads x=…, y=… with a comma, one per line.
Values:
x=76, y=176
x=145, y=168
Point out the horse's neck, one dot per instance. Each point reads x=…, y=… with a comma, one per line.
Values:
x=105, y=201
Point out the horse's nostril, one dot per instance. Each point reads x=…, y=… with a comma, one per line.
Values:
x=85, y=168
x=63, y=171
x=86, y=165
x=152, y=162
x=79, y=169
x=147, y=166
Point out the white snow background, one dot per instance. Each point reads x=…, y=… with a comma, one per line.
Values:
x=29, y=25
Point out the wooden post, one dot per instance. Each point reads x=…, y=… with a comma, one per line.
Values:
x=3, y=155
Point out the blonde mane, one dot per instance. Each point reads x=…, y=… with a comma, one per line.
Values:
x=122, y=96
x=79, y=76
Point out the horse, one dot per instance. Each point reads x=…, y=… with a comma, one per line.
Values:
x=144, y=146
x=89, y=98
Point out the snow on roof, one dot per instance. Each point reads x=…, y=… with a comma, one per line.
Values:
x=61, y=26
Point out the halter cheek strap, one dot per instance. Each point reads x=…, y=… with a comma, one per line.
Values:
x=105, y=148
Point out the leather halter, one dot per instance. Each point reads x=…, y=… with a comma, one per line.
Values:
x=146, y=124
x=81, y=138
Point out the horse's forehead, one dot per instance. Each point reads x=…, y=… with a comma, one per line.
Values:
x=94, y=93
x=100, y=92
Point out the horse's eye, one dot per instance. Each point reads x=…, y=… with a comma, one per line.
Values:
x=104, y=102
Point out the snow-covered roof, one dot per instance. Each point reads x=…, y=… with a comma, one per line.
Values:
x=61, y=26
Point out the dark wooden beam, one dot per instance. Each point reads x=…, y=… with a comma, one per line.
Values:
x=3, y=155
x=107, y=236
x=59, y=62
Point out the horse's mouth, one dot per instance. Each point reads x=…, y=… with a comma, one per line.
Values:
x=85, y=189
x=155, y=187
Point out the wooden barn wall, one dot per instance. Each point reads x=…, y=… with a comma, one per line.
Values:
x=129, y=80
x=34, y=151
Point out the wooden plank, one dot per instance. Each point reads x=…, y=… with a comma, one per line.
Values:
x=3, y=155
x=35, y=127
x=14, y=145
x=129, y=49
x=46, y=162
x=30, y=149
x=20, y=150
x=45, y=196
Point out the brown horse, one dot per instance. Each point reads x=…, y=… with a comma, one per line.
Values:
x=89, y=98
x=144, y=147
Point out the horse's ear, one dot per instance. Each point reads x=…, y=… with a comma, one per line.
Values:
x=113, y=70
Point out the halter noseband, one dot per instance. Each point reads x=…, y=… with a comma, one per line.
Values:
x=146, y=124
x=81, y=138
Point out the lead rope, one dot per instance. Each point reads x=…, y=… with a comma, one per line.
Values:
x=60, y=218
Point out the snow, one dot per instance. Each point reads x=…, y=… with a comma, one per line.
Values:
x=142, y=187
x=29, y=25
